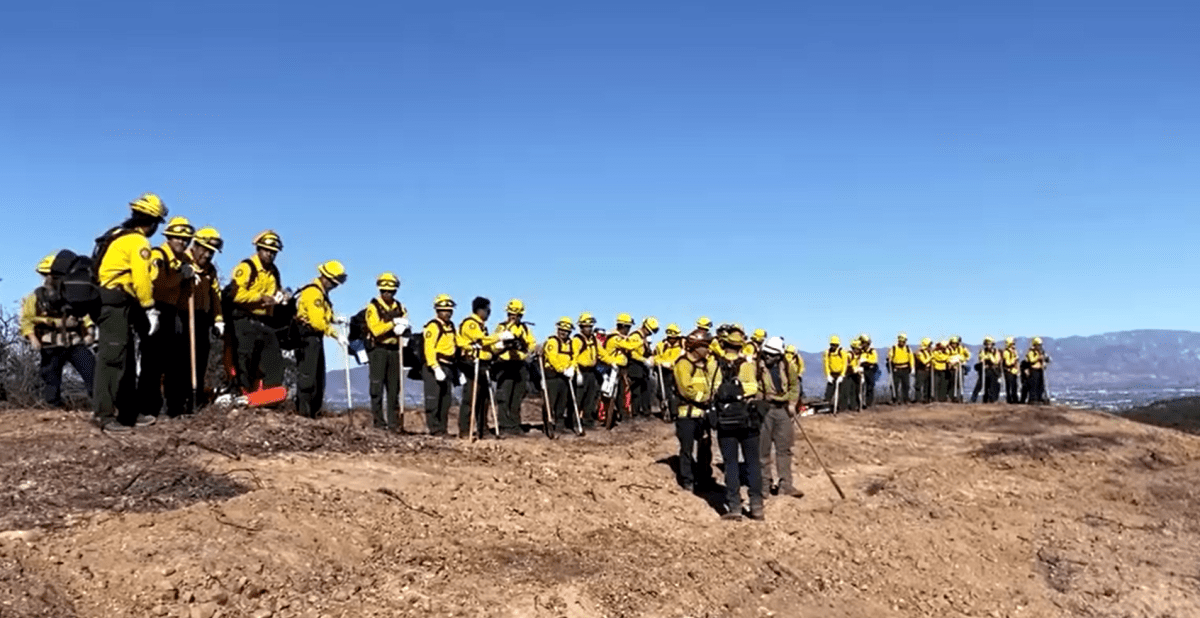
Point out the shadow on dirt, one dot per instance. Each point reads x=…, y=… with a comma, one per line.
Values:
x=1045, y=447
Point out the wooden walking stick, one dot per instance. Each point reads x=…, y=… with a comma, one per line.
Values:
x=492, y=402
x=400, y=389
x=796, y=420
x=349, y=395
x=548, y=423
x=575, y=404
x=192, y=343
x=837, y=387
x=474, y=393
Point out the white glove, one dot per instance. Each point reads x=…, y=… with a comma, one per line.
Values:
x=219, y=329
x=839, y=379
x=829, y=379
x=956, y=359
x=579, y=379
x=341, y=319
x=462, y=379
x=439, y=374
x=400, y=326
x=152, y=318
x=570, y=372
x=506, y=335
x=342, y=341
x=280, y=297
x=649, y=363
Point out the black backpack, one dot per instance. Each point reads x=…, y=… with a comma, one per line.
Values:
x=359, y=331
x=73, y=290
x=730, y=410
x=230, y=290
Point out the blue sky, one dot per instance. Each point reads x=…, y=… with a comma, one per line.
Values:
x=807, y=167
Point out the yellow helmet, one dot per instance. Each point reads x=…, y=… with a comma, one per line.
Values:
x=902, y=337
x=443, y=301
x=334, y=271
x=927, y=342
x=269, y=240
x=1010, y=341
x=587, y=319
x=673, y=330
x=955, y=339
x=151, y=205
x=624, y=319
x=989, y=339
x=179, y=227
x=564, y=323
x=515, y=307
x=388, y=282
x=704, y=323
x=791, y=349
x=209, y=238
x=760, y=335
x=650, y=324
x=865, y=338
x=835, y=340
x=43, y=267
x=1037, y=341
x=733, y=338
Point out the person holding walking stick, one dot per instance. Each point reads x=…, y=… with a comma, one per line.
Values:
x=387, y=325
x=558, y=370
x=837, y=361
x=923, y=378
x=666, y=352
x=900, y=366
x=779, y=391
x=165, y=354
x=207, y=317
x=478, y=348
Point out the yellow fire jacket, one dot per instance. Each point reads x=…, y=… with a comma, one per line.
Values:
x=52, y=331
x=836, y=362
x=694, y=378
x=558, y=354
x=254, y=283
x=521, y=333
x=126, y=266
x=314, y=310
x=586, y=350
x=900, y=357
x=474, y=339
x=1012, y=360
x=380, y=314
x=441, y=344
x=667, y=352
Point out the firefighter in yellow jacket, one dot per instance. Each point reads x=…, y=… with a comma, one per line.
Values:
x=960, y=356
x=126, y=280
x=165, y=356
x=641, y=361
x=206, y=303
x=1011, y=360
x=314, y=321
x=440, y=373
x=387, y=326
x=793, y=356
x=868, y=365
x=900, y=363
x=58, y=338
x=666, y=352
x=695, y=372
x=512, y=372
x=923, y=378
x=837, y=362
x=256, y=289
x=1037, y=359
x=476, y=344
x=735, y=419
x=944, y=371
x=616, y=353
x=586, y=350
x=988, y=369
x=558, y=367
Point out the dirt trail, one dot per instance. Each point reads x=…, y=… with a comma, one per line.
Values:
x=951, y=511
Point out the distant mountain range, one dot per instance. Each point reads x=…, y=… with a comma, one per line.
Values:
x=1126, y=360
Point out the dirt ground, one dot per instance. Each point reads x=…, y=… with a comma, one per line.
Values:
x=988, y=511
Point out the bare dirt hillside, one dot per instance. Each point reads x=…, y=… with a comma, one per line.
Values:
x=951, y=511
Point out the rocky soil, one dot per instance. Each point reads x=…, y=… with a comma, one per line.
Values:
x=988, y=511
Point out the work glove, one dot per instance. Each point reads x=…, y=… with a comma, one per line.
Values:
x=570, y=372
x=439, y=374
x=649, y=362
x=401, y=326
x=506, y=335
x=579, y=379
x=956, y=360
x=218, y=330
x=829, y=379
x=342, y=341
x=462, y=379
x=341, y=319
x=152, y=319
x=188, y=271
x=839, y=379
x=280, y=297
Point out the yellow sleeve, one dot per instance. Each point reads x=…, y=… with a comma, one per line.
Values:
x=215, y=299
x=793, y=371
x=140, y=270
x=636, y=346
x=747, y=375
x=241, y=280
x=965, y=353
x=826, y=356
x=608, y=353
x=431, y=337
x=799, y=364
x=28, y=315
x=554, y=357
x=377, y=326
x=692, y=383
x=311, y=308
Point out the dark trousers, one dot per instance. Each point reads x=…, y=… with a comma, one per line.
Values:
x=51, y=369
x=310, y=375
x=478, y=385
x=850, y=391
x=587, y=395
x=1011, y=392
x=622, y=402
x=944, y=384
x=204, y=323
x=1037, y=386
x=694, y=436
x=438, y=398
x=900, y=392
x=160, y=366
x=744, y=442
x=868, y=384
x=778, y=432
x=384, y=366
x=832, y=390
x=257, y=352
x=558, y=396
x=115, y=383
x=989, y=384
x=923, y=385
x=639, y=388
x=510, y=392
x=667, y=384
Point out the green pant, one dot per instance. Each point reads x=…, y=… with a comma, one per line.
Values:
x=945, y=385
x=385, y=377
x=310, y=375
x=510, y=392
x=257, y=353
x=116, y=379
x=438, y=398
x=587, y=394
x=476, y=387
x=558, y=399
x=923, y=386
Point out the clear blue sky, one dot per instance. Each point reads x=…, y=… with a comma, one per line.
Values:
x=808, y=167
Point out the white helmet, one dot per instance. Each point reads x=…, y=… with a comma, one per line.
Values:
x=773, y=345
